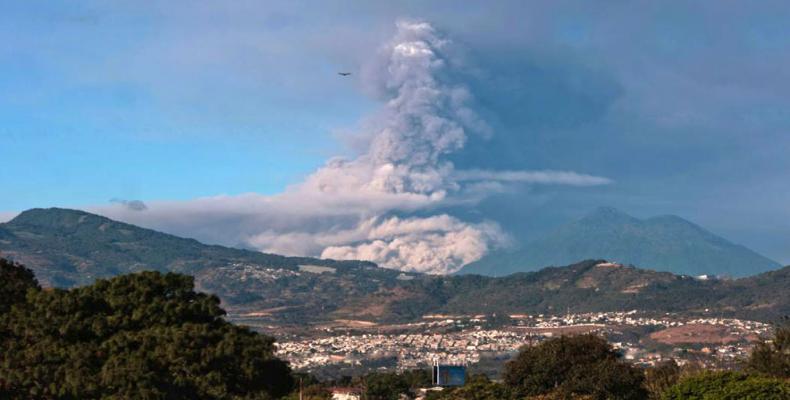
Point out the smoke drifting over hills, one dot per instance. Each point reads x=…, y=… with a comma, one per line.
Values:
x=385, y=204
x=134, y=205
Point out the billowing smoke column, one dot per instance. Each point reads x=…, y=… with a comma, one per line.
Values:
x=364, y=208
x=422, y=120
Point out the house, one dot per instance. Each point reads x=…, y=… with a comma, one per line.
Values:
x=345, y=393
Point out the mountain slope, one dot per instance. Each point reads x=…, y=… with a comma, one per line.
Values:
x=67, y=247
x=595, y=285
x=667, y=243
x=70, y=247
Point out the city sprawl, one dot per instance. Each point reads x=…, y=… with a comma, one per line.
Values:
x=641, y=339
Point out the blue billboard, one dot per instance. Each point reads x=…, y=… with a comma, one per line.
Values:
x=449, y=375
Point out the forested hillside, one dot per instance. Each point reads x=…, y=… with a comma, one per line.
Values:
x=69, y=248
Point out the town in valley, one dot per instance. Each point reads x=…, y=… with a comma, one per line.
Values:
x=476, y=341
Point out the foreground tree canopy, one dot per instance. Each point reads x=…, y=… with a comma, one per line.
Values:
x=146, y=335
x=773, y=357
x=729, y=385
x=15, y=280
x=568, y=366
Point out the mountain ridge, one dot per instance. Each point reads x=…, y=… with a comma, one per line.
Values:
x=72, y=248
x=665, y=242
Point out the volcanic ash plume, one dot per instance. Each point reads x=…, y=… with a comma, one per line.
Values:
x=424, y=118
x=377, y=206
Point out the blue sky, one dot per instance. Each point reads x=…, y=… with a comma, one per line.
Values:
x=683, y=105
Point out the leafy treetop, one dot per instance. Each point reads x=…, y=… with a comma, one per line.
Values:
x=145, y=335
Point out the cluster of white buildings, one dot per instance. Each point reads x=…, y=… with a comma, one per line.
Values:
x=251, y=272
x=470, y=341
x=632, y=318
x=411, y=350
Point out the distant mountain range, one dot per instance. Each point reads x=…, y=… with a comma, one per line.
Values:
x=71, y=248
x=664, y=243
x=67, y=248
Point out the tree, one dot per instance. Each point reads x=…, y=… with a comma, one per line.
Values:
x=15, y=281
x=417, y=378
x=310, y=387
x=145, y=335
x=497, y=320
x=728, y=385
x=659, y=378
x=572, y=366
x=311, y=392
x=391, y=385
x=385, y=386
x=773, y=358
x=479, y=387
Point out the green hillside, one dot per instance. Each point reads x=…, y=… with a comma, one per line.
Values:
x=72, y=248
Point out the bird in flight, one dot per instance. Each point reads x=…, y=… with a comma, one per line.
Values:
x=344, y=73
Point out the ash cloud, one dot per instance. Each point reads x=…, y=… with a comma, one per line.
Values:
x=385, y=204
x=133, y=205
x=543, y=177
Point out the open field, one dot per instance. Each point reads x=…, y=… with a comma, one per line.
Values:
x=702, y=333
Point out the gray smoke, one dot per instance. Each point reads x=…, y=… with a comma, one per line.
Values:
x=361, y=208
x=134, y=205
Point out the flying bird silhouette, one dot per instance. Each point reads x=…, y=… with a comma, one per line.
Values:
x=344, y=73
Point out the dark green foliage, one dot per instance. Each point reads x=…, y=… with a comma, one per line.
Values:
x=310, y=388
x=479, y=387
x=659, y=378
x=773, y=358
x=146, y=335
x=575, y=365
x=497, y=320
x=311, y=392
x=385, y=386
x=417, y=378
x=391, y=385
x=15, y=281
x=728, y=386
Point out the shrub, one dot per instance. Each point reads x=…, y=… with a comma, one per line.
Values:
x=728, y=385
